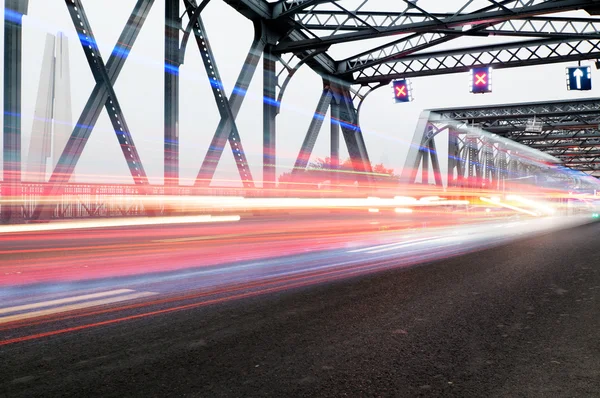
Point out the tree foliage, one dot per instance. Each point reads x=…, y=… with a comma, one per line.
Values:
x=321, y=171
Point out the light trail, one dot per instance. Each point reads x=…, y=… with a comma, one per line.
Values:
x=118, y=222
x=73, y=307
x=233, y=282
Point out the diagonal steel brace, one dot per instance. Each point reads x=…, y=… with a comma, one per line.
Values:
x=227, y=127
x=98, y=98
x=313, y=130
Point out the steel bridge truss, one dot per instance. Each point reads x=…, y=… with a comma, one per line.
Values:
x=569, y=130
x=476, y=159
x=418, y=35
x=183, y=20
x=288, y=35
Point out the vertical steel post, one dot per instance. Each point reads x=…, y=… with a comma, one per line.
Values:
x=435, y=164
x=335, y=141
x=425, y=165
x=472, y=159
x=479, y=161
x=13, y=19
x=352, y=133
x=171, y=83
x=269, y=119
x=413, y=158
x=502, y=167
x=488, y=162
x=461, y=162
x=453, y=154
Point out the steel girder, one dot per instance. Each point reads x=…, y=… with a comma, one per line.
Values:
x=289, y=7
x=527, y=53
x=13, y=17
x=283, y=27
x=568, y=29
x=495, y=115
x=303, y=26
x=420, y=20
x=171, y=93
x=270, y=111
x=337, y=21
x=351, y=131
x=570, y=129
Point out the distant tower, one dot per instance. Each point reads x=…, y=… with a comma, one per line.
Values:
x=52, y=121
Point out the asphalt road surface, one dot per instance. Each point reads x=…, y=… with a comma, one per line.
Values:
x=522, y=319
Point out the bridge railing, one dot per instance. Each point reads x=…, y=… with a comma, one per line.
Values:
x=105, y=200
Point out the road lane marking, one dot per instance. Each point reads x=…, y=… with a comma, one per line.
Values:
x=72, y=307
x=63, y=301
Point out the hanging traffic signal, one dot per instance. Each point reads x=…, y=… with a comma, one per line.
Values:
x=402, y=90
x=481, y=80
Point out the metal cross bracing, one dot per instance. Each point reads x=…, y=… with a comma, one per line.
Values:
x=103, y=95
x=368, y=19
x=476, y=158
x=533, y=32
x=570, y=130
x=415, y=28
x=288, y=35
x=182, y=20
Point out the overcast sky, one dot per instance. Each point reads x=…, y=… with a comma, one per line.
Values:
x=387, y=127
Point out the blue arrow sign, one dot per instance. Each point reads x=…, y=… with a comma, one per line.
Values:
x=579, y=78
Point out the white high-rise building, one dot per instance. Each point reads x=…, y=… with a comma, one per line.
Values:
x=52, y=122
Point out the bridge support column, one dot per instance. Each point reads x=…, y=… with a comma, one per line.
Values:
x=335, y=142
x=171, y=83
x=270, y=109
x=352, y=133
x=502, y=167
x=435, y=164
x=425, y=163
x=13, y=19
x=473, y=168
x=453, y=159
x=488, y=163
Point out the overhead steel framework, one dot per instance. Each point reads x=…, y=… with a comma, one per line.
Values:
x=476, y=158
x=568, y=130
x=413, y=40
